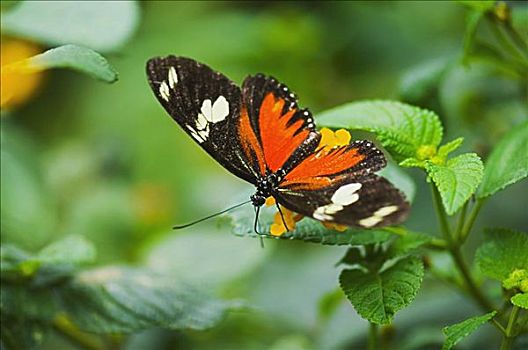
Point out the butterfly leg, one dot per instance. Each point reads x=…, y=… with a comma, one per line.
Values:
x=256, y=224
x=282, y=216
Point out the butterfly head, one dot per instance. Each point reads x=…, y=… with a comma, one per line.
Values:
x=265, y=188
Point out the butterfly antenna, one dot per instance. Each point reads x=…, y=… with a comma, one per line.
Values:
x=178, y=227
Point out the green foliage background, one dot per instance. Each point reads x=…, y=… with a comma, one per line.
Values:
x=94, y=176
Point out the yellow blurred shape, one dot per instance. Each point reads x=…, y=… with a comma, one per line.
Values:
x=290, y=217
x=330, y=139
x=153, y=206
x=270, y=201
x=18, y=82
x=335, y=227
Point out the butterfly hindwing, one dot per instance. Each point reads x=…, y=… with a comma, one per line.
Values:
x=338, y=185
x=206, y=104
x=365, y=201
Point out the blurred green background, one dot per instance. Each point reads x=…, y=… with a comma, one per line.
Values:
x=107, y=162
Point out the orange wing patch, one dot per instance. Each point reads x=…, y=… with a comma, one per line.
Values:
x=278, y=134
x=249, y=141
x=313, y=172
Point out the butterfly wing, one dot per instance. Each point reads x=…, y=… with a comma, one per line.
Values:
x=207, y=105
x=285, y=133
x=339, y=186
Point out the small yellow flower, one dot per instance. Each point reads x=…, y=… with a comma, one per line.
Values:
x=331, y=139
x=18, y=82
x=270, y=201
x=290, y=218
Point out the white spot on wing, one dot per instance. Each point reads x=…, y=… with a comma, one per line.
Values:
x=164, y=91
x=220, y=110
x=210, y=113
x=378, y=216
x=207, y=109
x=343, y=196
x=386, y=210
x=195, y=134
x=320, y=214
x=173, y=77
x=332, y=208
x=346, y=194
x=370, y=221
x=201, y=122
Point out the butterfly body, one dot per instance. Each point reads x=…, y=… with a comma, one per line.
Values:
x=259, y=133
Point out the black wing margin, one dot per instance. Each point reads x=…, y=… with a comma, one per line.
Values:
x=206, y=104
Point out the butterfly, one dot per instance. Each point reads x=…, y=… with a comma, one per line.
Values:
x=260, y=134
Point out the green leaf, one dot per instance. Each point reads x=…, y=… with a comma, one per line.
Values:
x=71, y=250
x=329, y=303
x=28, y=211
x=472, y=22
x=102, y=26
x=123, y=300
x=457, y=332
x=449, y=147
x=520, y=300
x=58, y=260
x=27, y=302
x=507, y=163
x=307, y=230
x=371, y=258
x=408, y=242
x=412, y=163
x=73, y=57
x=516, y=279
x=401, y=128
x=377, y=296
x=457, y=180
x=502, y=253
x=479, y=5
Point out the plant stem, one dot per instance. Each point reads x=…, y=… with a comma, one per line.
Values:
x=456, y=254
x=516, y=38
x=373, y=337
x=508, y=336
x=442, y=217
x=64, y=327
x=498, y=325
x=468, y=225
x=471, y=285
x=504, y=41
x=460, y=222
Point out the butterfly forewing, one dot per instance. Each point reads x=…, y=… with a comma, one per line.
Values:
x=206, y=104
x=285, y=132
